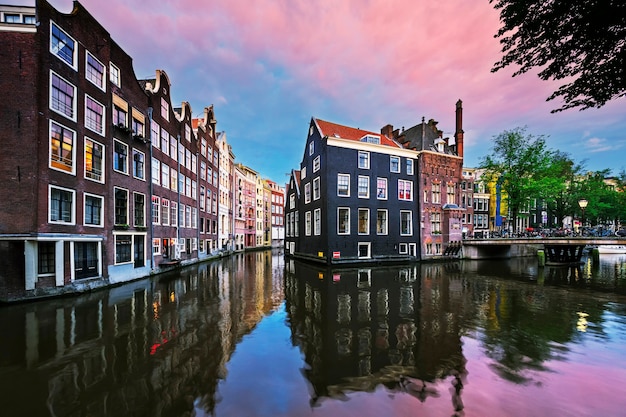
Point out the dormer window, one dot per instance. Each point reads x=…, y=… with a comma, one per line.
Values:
x=439, y=144
x=371, y=139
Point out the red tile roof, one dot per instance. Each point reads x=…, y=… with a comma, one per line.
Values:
x=345, y=132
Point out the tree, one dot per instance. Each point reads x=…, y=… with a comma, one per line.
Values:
x=581, y=43
x=557, y=183
x=517, y=162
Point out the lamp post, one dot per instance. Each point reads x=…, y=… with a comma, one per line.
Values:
x=583, y=204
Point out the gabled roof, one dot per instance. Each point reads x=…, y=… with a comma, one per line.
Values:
x=334, y=130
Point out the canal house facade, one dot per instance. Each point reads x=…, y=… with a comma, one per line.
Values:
x=106, y=180
x=367, y=197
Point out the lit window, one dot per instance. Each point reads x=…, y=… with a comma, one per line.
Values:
x=364, y=221
x=343, y=221
x=94, y=160
x=406, y=223
x=381, y=222
x=61, y=148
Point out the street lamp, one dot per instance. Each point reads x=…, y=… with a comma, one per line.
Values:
x=583, y=204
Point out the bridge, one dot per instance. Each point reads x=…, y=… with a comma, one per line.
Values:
x=558, y=250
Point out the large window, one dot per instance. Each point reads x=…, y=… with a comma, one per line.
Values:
x=61, y=205
x=406, y=223
x=139, y=164
x=343, y=221
x=316, y=188
x=364, y=221
x=364, y=187
x=450, y=194
x=317, y=222
x=381, y=188
x=436, y=191
x=62, y=150
x=405, y=190
x=364, y=159
x=307, y=223
x=343, y=185
x=165, y=211
x=94, y=160
x=123, y=248
x=140, y=210
x=62, y=96
x=394, y=164
x=121, y=206
x=307, y=192
x=120, y=157
x=381, y=222
x=95, y=71
x=94, y=115
x=93, y=210
x=45, y=257
x=435, y=220
x=62, y=45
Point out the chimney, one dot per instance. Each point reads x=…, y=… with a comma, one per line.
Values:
x=387, y=130
x=458, y=134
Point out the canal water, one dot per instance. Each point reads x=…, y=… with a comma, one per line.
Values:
x=258, y=335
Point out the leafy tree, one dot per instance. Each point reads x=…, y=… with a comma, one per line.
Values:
x=557, y=183
x=601, y=198
x=580, y=43
x=518, y=162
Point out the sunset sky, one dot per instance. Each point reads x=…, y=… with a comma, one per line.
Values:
x=268, y=66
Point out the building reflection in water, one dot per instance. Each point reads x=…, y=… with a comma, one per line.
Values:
x=153, y=347
x=395, y=326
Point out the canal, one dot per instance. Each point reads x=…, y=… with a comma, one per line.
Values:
x=258, y=335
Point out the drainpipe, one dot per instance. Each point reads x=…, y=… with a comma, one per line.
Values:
x=151, y=189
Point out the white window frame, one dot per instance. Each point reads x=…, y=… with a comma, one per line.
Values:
x=56, y=108
x=102, y=114
x=101, y=220
x=339, y=176
x=127, y=204
x=307, y=223
x=135, y=194
x=367, y=221
x=155, y=210
x=72, y=208
x=367, y=194
x=114, y=74
x=74, y=63
x=410, y=214
x=316, y=163
x=402, y=186
x=386, y=193
x=316, y=188
x=143, y=166
x=347, y=230
x=87, y=72
x=409, y=166
x=125, y=172
x=394, y=164
x=311, y=147
x=367, y=245
x=307, y=193
x=365, y=159
x=63, y=128
x=386, y=229
x=317, y=222
x=103, y=161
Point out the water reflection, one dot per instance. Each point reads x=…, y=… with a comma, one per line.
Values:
x=462, y=338
x=360, y=328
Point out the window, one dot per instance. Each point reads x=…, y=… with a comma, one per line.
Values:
x=311, y=147
x=139, y=164
x=316, y=188
x=303, y=173
x=173, y=177
x=364, y=187
x=62, y=96
x=45, y=257
x=343, y=221
x=174, y=213
x=121, y=206
x=120, y=157
x=370, y=139
x=394, y=164
x=364, y=160
x=317, y=222
x=114, y=75
x=316, y=164
x=165, y=175
x=403, y=248
x=365, y=250
x=140, y=210
x=406, y=223
x=381, y=222
x=61, y=205
x=450, y=194
x=61, y=148
x=405, y=190
x=343, y=185
x=12, y=18
x=364, y=221
x=307, y=192
x=62, y=45
x=156, y=246
x=137, y=126
x=381, y=188
x=119, y=116
x=292, y=201
x=435, y=220
x=156, y=210
x=165, y=212
x=156, y=171
x=165, y=141
x=307, y=223
x=94, y=115
x=123, y=246
x=165, y=109
x=409, y=166
x=436, y=190
x=94, y=160
x=93, y=210
x=94, y=71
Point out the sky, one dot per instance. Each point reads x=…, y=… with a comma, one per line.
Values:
x=269, y=66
